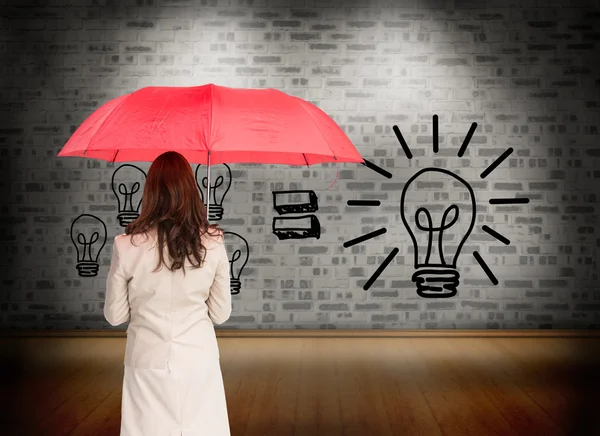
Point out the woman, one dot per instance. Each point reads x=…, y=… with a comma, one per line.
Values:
x=170, y=275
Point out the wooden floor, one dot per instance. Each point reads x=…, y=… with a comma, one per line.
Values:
x=327, y=386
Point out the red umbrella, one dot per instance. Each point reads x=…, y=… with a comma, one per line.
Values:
x=210, y=125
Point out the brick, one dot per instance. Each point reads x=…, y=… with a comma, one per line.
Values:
x=138, y=48
x=348, y=36
x=266, y=59
x=107, y=47
x=294, y=24
x=174, y=24
x=323, y=47
x=253, y=24
x=252, y=48
x=297, y=306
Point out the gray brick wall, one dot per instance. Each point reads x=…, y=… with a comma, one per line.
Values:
x=527, y=72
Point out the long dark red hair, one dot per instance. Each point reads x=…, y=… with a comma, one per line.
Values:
x=172, y=206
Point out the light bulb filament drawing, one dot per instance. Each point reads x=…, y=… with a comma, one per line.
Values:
x=430, y=229
x=128, y=196
x=87, y=247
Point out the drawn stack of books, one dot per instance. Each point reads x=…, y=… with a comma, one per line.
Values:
x=296, y=226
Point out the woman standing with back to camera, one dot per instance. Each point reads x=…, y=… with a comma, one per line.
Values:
x=169, y=275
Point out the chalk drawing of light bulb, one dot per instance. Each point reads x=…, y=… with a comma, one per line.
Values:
x=238, y=258
x=219, y=187
x=126, y=183
x=88, y=233
x=435, y=260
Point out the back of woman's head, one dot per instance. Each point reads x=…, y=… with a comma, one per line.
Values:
x=171, y=206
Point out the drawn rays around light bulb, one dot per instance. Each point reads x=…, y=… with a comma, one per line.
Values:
x=436, y=275
x=375, y=233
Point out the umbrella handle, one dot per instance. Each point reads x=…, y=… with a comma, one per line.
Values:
x=208, y=190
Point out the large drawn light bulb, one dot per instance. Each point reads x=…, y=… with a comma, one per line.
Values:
x=435, y=259
x=218, y=189
x=126, y=184
x=88, y=234
x=238, y=253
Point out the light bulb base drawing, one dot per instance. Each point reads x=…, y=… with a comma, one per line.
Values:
x=436, y=283
x=215, y=212
x=87, y=269
x=126, y=218
x=235, y=285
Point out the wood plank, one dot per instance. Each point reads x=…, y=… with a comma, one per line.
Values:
x=252, y=391
x=393, y=366
x=274, y=405
x=282, y=399
x=544, y=387
x=458, y=411
x=562, y=379
x=105, y=419
x=355, y=412
x=329, y=401
x=87, y=360
x=331, y=386
x=308, y=407
x=503, y=383
x=372, y=392
x=78, y=396
x=236, y=366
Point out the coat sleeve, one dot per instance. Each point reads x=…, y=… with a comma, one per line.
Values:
x=116, y=305
x=219, y=298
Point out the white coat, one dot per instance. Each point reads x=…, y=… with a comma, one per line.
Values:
x=172, y=384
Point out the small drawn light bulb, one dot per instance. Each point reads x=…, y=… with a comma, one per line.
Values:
x=88, y=234
x=128, y=190
x=218, y=189
x=237, y=260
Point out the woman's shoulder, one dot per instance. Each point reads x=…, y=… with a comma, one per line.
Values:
x=214, y=235
x=135, y=240
x=214, y=229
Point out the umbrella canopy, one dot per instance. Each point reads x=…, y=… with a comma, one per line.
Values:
x=210, y=125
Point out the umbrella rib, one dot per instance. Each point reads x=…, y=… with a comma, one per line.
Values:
x=318, y=128
x=210, y=120
x=305, y=160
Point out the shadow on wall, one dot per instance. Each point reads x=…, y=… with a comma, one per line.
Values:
x=21, y=137
x=574, y=136
x=24, y=84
